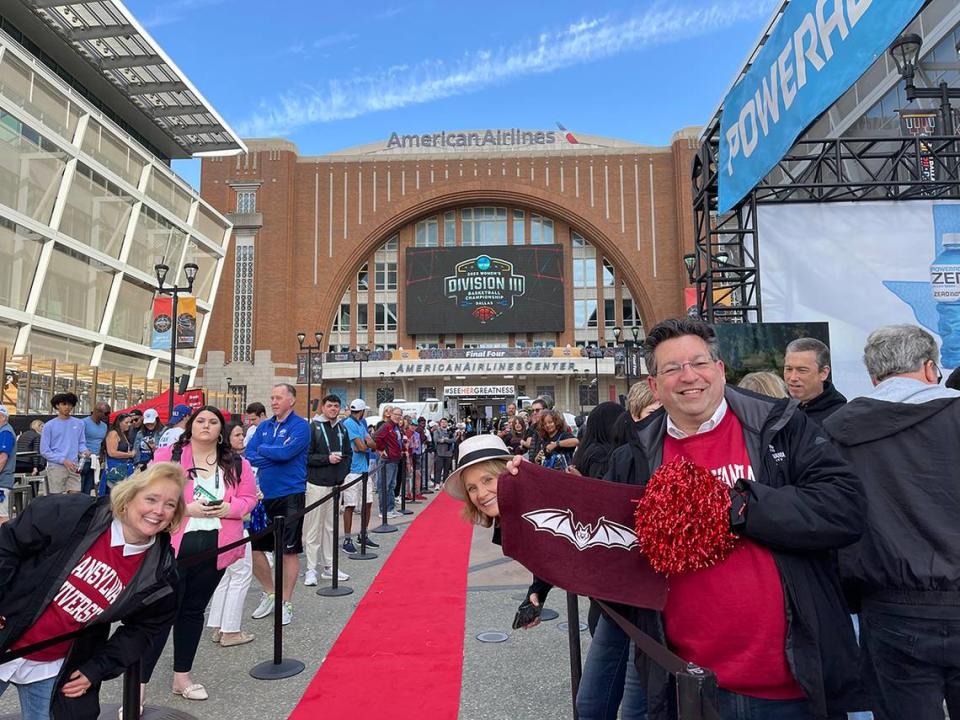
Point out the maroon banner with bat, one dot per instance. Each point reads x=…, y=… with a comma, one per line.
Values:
x=577, y=533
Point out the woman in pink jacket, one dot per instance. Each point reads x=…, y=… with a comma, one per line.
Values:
x=220, y=490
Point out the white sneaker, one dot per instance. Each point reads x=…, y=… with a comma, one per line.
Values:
x=327, y=574
x=287, y=613
x=392, y=514
x=265, y=607
x=310, y=579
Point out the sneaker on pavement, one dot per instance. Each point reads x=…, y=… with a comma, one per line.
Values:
x=287, y=613
x=371, y=543
x=348, y=545
x=421, y=497
x=327, y=574
x=265, y=607
x=310, y=578
x=392, y=514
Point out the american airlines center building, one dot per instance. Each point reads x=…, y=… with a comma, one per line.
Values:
x=475, y=266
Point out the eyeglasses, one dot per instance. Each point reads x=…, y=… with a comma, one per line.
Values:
x=674, y=369
x=939, y=374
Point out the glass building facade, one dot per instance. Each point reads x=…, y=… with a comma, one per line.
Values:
x=86, y=211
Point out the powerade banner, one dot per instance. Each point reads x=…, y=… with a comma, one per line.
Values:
x=816, y=51
x=859, y=266
x=487, y=289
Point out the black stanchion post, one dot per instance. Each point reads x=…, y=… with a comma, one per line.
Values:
x=131, y=691
x=427, y=475
x=573, y=637
x=335, y=589
x=414, y=463
x=279, y=667
x=402, y=477
x=385, y=527
x=363, y=554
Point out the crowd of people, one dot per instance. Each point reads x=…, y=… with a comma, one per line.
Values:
x=842, y=594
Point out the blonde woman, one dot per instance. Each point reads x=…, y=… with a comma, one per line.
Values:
x=480, y=462
x=764, y=382
x=108, y=554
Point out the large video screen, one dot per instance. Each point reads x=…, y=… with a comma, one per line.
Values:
x=487, y=289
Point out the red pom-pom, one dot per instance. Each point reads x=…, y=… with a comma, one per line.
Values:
x=683, y=519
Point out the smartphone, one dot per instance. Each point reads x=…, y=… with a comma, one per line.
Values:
x=214, y=503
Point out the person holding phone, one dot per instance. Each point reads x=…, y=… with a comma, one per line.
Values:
x=219, y=491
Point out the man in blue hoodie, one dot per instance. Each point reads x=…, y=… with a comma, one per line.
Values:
x=278, y=449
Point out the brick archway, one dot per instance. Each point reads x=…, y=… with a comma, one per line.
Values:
x=423, y=204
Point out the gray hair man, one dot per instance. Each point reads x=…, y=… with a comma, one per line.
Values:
x=806, y=367
x=905, y=571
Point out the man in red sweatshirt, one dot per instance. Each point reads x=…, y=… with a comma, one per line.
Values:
x=769, y=620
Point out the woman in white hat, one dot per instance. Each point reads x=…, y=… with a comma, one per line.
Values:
x=481, y=460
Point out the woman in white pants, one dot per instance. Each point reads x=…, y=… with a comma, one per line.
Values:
x=226, y=607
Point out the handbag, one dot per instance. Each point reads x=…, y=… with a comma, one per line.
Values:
x=116, y=474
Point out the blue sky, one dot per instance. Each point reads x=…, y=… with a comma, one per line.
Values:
x=332, y=75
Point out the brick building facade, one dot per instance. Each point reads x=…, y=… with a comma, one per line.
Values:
x=319, y=247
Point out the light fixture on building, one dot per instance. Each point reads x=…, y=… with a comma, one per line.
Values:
x=905, y=52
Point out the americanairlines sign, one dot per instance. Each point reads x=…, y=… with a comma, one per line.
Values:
x=489, y=138
x=485, y=367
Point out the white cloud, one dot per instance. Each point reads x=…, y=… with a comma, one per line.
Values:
x=173, y=11
x=584, y=41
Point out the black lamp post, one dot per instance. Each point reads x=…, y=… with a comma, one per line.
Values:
x=361, y=356
x=318, y=337
x=228, y=380
x=596, y=352
x=617, y=332
x=905, y=52
x=190, y=271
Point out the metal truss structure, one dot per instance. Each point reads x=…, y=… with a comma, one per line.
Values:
x=814, y=171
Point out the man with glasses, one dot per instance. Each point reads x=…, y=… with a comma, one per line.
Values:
x=905, y=572
x=806, y=367
x=531, y=436
x=389, y=442
x=770, y=619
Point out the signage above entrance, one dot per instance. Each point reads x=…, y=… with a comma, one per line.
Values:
x=480, y=391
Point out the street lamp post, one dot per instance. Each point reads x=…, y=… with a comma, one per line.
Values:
x=617, y=332
x=227, y=381
x=318, y=337
x=361, y=356
x=190, y=270
x=635, y=331
x=905, y=52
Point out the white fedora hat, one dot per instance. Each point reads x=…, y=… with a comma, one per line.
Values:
x=473, y=450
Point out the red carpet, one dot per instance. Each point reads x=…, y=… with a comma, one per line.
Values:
x=409, y=626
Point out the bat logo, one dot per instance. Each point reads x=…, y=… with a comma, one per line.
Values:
x=605, y=533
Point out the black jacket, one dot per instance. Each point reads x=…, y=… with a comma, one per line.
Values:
x=824, y=404
x=38, y=550
x=325, y=439
x=908, y=457
x=805, y=503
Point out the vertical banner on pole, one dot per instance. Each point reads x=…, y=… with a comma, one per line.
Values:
x=162, y=324
x=187, y=322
